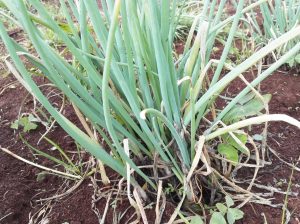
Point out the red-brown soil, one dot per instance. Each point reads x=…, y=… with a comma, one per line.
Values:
x=285, y=140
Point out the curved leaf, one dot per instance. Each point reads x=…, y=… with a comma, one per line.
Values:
x=229, y=152
x=217, y=218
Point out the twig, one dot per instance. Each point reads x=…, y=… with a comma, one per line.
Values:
x=6, y=216
x=70, y=190
x=159, y=210
x=175, y=213
x=284, y=219
x=140, y=206
x=81, y=118
x=289, y=164
x=39, y=166
x=128, y=173
x=106, y=208
x=52, y=124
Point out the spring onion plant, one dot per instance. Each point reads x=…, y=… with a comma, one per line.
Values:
x=125, y=81
x=278, y=17
x=186, y=12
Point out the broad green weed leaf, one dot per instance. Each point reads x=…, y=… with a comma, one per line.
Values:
x=222, y=208
x=27, y=124
x=196, y=220
x=291, y=62
x=251, y=108
x=15, y=125
x=230, y=217
x=234, y=214
x=239, y=214
x=31, y=118
x=243, y=138
x=217, y=218
x=297, y=58
x=227, y=138
x=229, y=201
x=229, y=152
x=246, y=98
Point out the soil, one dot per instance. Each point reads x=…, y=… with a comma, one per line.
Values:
x=284, y=139
x=20, y=190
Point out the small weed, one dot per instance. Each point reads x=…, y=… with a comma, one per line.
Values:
x=28, y=123
x=225, y=214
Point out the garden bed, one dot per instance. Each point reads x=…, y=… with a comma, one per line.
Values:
x=28, y=195
x=20, y=189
